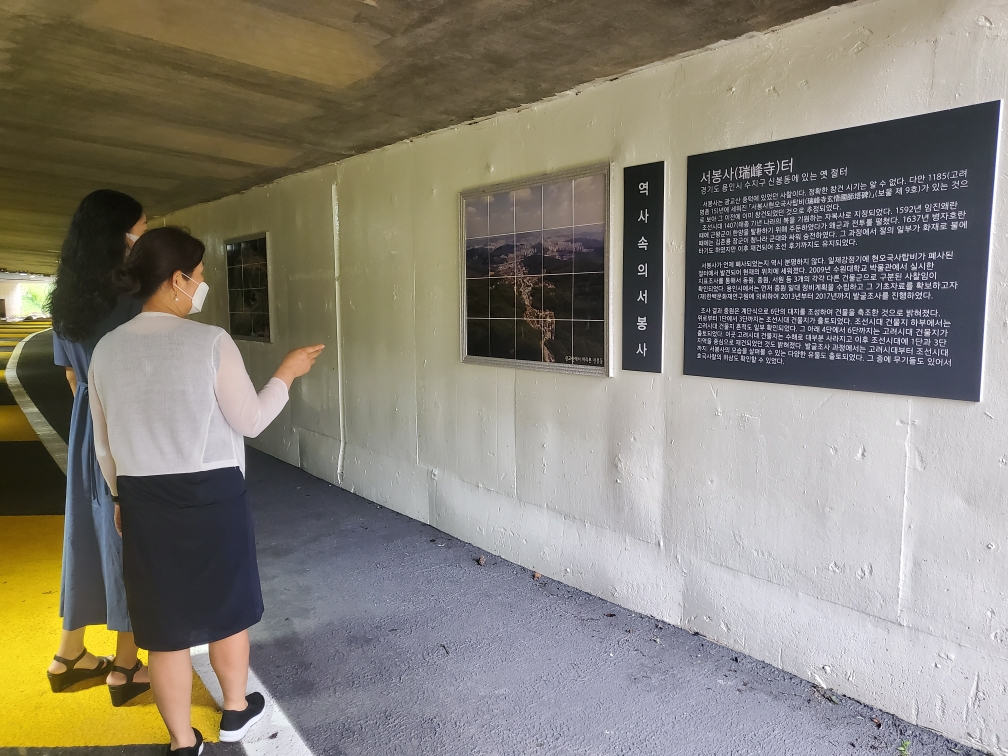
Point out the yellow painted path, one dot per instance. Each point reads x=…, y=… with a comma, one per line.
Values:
x=34, y=716
x=14, y=426
x=30, y=565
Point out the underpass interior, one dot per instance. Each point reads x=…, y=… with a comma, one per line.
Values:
x=465, y=556
x=427, y=644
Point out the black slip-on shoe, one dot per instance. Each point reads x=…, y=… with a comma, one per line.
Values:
x=234, y=724
x=195, y=750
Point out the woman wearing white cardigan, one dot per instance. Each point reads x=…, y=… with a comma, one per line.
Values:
x=171, y=402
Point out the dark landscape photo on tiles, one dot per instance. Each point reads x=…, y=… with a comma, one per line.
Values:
x=502, y=338
x=558, y=250
x=248, y=288
x=589, y=248
x=558, y=296
x=502, y=255
x=478, y=297
x=477, y=258
x=589, y=339
x=534, y=260
x=588, y=299
x=529, y=298
x=502, y=298
x=529, y=248
x=528, y=209
x=478, y=337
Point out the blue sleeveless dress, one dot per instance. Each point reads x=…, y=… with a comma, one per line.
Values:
x=91, y=590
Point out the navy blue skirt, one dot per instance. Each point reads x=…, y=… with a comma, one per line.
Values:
x=189, y=558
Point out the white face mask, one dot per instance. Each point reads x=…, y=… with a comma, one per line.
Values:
x=198, y=298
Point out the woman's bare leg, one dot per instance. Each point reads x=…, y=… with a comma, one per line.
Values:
x=171, y=681
x=230, y=661
x=126, y=657
x=70, y=645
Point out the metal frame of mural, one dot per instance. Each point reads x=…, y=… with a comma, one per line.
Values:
x=570, y=273
x=232, y=291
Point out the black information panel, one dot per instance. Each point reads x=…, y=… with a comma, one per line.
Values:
x=643, y=266
x=855, y=259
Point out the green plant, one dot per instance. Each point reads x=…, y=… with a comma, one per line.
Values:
x=35, y=298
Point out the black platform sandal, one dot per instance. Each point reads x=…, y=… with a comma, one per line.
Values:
x=70, y=676
x=129, y=690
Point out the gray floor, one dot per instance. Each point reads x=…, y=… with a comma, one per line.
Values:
x=384, y=636
x=211, y=749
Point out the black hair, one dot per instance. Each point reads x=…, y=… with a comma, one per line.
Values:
x=156, y=256
x=93, y=253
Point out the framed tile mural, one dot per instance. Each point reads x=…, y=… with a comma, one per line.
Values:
x=535, y=265
x=248, y=287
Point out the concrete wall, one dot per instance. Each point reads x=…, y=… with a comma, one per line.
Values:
x=10, y=292
x=297, y=215
x=857, y=540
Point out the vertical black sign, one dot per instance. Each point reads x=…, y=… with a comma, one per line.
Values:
x=643, y=266
x=854, y=259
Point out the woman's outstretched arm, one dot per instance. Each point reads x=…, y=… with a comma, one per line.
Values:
x=245, y=410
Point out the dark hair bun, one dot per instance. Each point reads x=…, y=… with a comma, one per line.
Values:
x=156, y=256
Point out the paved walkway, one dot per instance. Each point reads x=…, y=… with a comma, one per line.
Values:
x=384, y=636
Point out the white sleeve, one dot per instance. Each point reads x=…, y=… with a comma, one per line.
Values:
x=101, y=441
x=247, y=412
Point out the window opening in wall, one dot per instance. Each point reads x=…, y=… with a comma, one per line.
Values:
x=24, y=295
x=248, y=287
x=535, y=273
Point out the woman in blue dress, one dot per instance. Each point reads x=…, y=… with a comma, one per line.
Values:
x=86, y=304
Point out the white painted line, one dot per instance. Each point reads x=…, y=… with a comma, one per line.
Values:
x=55, y=445
x=274, y=735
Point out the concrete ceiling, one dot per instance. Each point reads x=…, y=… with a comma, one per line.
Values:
x=183, y=101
